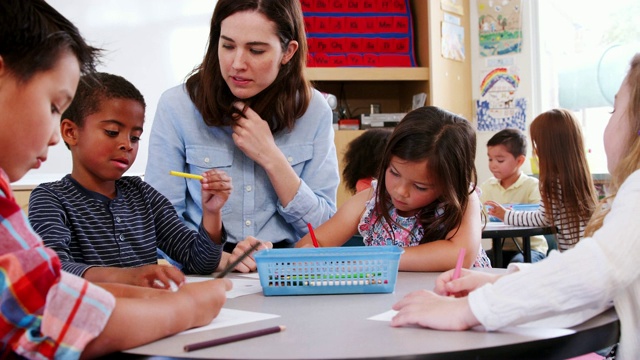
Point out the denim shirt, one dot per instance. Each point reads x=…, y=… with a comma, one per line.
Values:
x=181, y=141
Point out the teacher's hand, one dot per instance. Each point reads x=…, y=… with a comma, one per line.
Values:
x=252, y=135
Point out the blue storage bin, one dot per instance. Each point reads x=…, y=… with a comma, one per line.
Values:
x=335, y=270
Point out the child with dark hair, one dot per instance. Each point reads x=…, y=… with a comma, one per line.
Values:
x=507, y=151
x=424, y=198
x=105, y=226
x=363, y=157
x=45, y=312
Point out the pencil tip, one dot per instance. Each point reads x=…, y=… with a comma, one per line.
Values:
x=282, y=327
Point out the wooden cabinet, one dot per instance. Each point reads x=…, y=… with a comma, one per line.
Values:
x=446, y=82
x=22, y=198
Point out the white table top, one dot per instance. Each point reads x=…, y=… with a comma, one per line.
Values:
x=337, y=326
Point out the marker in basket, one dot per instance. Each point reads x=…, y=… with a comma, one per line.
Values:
x=313, y=235
x=233, y=338
x=185, y=175
x=233, y=265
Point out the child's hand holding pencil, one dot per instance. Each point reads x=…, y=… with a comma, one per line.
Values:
x=216, y=189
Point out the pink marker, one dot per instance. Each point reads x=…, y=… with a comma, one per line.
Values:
x=458, y=269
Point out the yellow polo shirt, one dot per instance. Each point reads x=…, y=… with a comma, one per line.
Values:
x=524, y=191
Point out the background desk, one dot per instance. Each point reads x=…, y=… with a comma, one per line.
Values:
x=498, y=231
x=336, y=327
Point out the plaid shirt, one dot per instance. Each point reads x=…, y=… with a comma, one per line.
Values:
x=45, y=313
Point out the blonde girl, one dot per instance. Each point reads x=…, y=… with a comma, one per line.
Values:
x=601, y=270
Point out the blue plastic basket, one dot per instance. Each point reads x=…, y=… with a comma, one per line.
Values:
x=336, y=270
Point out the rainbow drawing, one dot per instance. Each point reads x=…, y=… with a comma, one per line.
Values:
x=496, y=75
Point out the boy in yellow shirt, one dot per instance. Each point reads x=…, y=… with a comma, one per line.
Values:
x=507, y=151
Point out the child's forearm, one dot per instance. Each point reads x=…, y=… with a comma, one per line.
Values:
x=212, y=223
x=103, y=274
x=440, y=255
x=131, y=291
x=135, y=322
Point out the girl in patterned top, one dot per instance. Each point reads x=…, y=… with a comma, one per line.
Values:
x=424, y=198
x=567, y=191
x=45, y=312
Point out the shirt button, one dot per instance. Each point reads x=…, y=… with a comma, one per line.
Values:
x=290, y=159
x=117, y=219
x=247, y=222
x=121, y=237
x=248, y=188
x=206, y=159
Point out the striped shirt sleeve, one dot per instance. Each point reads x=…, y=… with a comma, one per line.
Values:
x=194, y=250
x=567, y=236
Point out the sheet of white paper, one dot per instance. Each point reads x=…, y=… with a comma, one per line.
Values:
x=385, y=316
x=241, y=287
x=534, y=331
x=231, y=317
x=253, y=275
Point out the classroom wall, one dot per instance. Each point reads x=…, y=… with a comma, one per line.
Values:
x=156, y=46
x=152, y=43
x=525, y=65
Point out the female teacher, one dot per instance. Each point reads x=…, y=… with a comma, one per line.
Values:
x=248, y=110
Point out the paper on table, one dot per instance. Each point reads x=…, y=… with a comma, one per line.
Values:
x=241, y=287
x=534, y=331
x=253, y=275
x=230, y=317
x=385, y=316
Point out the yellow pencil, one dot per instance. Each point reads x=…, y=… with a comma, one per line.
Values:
x=185, y=175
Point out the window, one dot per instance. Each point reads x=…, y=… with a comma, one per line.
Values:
x=584, y=49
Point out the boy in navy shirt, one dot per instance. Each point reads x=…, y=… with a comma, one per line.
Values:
x=107, y=227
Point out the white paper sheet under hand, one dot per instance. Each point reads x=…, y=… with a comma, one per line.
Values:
x=240, y=286
x=533, y=331
x=231, y=317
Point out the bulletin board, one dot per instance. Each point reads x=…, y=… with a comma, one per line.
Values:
x=365, y=33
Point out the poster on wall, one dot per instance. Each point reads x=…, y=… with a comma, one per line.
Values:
x=500, y=27
x=452, y=41
x=454, y=6
x=499, y=106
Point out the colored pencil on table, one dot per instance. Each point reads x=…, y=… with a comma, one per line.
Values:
x=233, y=265
x=185, y=175
x=313, y=235
x=233, y=338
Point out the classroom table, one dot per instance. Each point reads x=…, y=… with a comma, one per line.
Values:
x=337, y=327
x=498, y=231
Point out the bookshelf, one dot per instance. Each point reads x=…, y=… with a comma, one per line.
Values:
x=447, y=83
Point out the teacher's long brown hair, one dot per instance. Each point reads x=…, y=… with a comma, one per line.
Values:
x=282, y=102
